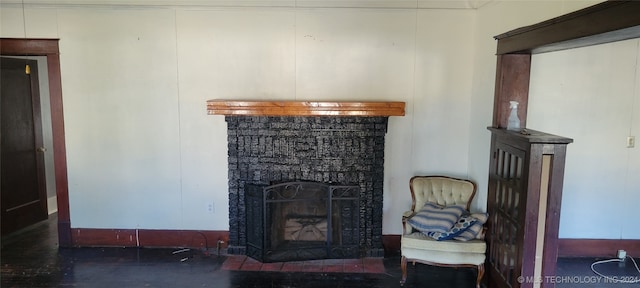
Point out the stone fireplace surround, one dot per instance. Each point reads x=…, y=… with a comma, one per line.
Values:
x=338, y=143
x=334, y=150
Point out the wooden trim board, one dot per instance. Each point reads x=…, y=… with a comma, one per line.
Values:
x=597, y=247
x=304, y=108
x=205, y=239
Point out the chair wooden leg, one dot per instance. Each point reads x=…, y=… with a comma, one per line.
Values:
x=403, y=266
x=480, y=274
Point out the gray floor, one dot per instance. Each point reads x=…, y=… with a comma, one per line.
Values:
x=576, y=272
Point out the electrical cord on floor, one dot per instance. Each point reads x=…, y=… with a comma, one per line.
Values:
x=619, y=279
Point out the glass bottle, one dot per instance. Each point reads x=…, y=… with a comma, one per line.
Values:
x=513, y=121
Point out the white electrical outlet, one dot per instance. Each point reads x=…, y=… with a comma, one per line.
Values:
x=631, y=141
x=211, y=207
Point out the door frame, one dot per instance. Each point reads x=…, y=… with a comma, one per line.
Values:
x=50, y=49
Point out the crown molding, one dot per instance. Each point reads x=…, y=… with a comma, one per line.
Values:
x=380, y=4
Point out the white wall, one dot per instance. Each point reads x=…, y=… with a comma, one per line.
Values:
x=142, y=153
x=588, y=94
x=592, y=95
x=496, y=18
x=47, y=134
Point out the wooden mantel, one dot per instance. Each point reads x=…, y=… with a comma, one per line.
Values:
x=304, y=108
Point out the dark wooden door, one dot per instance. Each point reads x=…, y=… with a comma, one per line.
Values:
x=24, y=198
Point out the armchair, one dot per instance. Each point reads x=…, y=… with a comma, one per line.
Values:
x=418, y=247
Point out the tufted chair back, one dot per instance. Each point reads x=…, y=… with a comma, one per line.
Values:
x=441, y=190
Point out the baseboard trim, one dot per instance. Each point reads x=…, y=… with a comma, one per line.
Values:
x=52, y=204
x=391, y=244
x=597, y=247
x=204, y=239
x=82, y=237
x=89, y=237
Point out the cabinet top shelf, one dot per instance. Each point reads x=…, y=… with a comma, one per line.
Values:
x=531, y=136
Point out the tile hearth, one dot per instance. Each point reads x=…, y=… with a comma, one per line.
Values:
x=364, y=265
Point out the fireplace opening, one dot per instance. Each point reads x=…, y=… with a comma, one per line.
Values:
x=297, y=221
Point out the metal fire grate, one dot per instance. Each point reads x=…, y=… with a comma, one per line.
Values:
x=297, y=221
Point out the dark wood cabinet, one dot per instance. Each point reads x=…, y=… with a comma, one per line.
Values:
x=525, y=194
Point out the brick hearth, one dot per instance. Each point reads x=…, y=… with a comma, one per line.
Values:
x=365, y=265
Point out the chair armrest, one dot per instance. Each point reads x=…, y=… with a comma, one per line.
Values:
x=406, y=228
x=408, y=214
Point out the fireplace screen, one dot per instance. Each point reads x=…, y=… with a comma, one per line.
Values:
x=302, y=221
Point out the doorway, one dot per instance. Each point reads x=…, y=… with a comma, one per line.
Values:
x=24, y=196
x=49, y=48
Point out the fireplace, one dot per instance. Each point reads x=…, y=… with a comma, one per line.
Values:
x=331, y=150
x=297, y=221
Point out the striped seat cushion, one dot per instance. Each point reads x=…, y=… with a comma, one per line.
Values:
x=435, y=218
